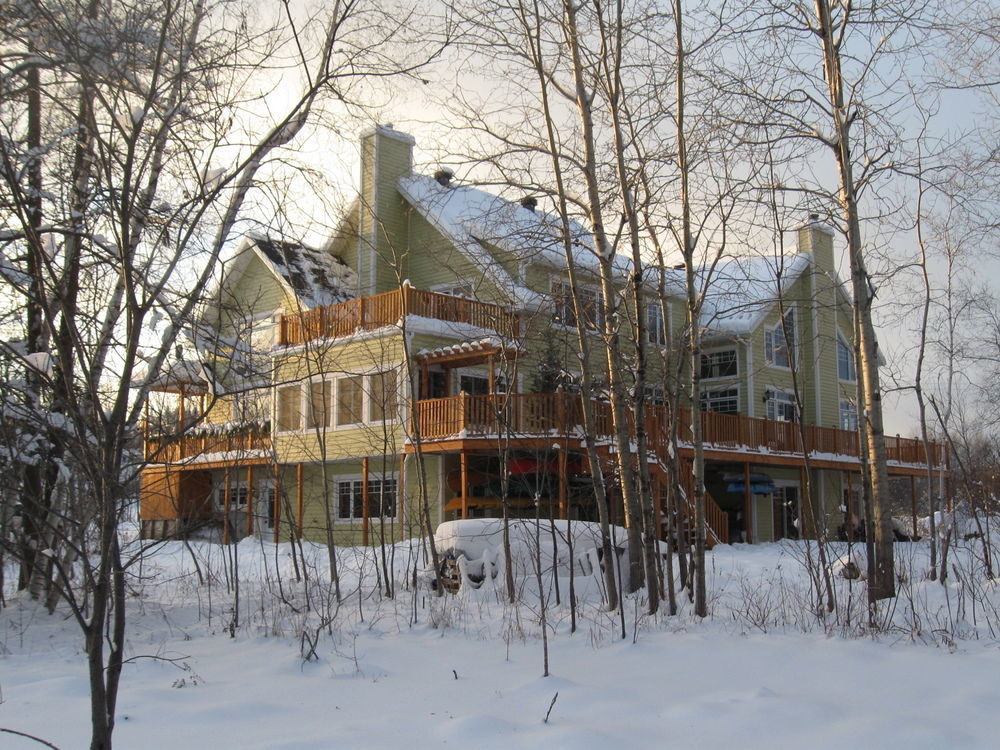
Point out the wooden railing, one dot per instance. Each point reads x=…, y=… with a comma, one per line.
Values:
x=376, y=311
x=555, y=414
x=240, y=441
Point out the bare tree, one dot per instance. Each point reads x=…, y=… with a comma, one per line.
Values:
x=127, y=162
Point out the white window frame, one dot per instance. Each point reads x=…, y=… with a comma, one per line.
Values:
x=450, y=287
x=706, y=393
x=716, y=350
x=367, y=396
x=788, y=398
x=564, y=299
x=653, y=309
x=372, y=477
x=277, y=408
x=842, y=342
x=792, y=350
x=842, y=412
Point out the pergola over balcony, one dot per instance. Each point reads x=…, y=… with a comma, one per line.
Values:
x=388, y=308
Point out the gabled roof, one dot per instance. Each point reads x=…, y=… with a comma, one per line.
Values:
x=742, y=291
x=472, y=218
x=316, y=277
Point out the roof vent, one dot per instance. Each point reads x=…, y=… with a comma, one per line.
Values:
x=529, y=202
x=443, y=176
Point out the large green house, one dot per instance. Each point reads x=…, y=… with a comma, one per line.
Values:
x=429, y=351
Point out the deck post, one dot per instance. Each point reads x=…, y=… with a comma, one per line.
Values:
x=250, y=501
x=563, y=495
x=913, y=504
x=299, y=499
x=225, y=506
x=276, y=508
x=747, y=505
x=492, y=375
x=401, y=497
x=464, y=462
x=364, y=502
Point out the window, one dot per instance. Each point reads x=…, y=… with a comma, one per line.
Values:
x=320, y=400
x=656, y=329
x=383, y=404
x=464, y=289
x=779, y=342
x=655, y=396
x=350, y=400
x=351, y=498
x=848, y=415
x=845, y=361
x=289, y=408
x=721, y=401
x=590, y=304
x=780, y=406
x=720, y=364
x=239, y=496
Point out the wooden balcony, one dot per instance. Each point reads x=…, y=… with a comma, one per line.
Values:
x=240, y=445
x=554, y=415
x=376, y=311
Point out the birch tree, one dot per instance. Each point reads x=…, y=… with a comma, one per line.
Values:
x=130, y=144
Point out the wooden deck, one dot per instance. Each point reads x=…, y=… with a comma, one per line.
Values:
x=379, y=310
x=554, y=415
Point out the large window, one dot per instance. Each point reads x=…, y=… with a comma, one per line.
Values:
x=719, y=364
x=721, y=400
x=779, y=342
x=383, y=396
x=780, y=406
x=289, y=408
x=590, y=305
x=350, y=400
x=320, y=402
x=848, y=415
x=351, y=498
x=846, y=369
x=656, y=329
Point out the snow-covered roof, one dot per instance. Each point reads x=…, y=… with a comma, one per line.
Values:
x=482, y=346
x=317, y=277
x=473, y=218
x=741, y=291
x=186, y=375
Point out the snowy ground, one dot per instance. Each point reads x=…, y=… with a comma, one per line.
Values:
x=467, y=673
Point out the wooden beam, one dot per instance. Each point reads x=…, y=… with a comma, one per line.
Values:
x=563, y=480
x=225, y=507
x=464, y=462
x=747, y=504
x=299, y=497
x=364, y=501
x=250, y=501
x=913, y=504
x=401, y=498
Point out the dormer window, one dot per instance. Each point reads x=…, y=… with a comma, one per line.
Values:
x=779, y=342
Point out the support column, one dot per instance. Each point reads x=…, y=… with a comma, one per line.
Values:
x=225, y=506
x=299, y=497
x=464, y=460
x=492, y=376
x=278, y=498
x=913, y=504
x=563, y=494
x=364, y=501
x=747, y=504
x=401, y=497
x=250, y=501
